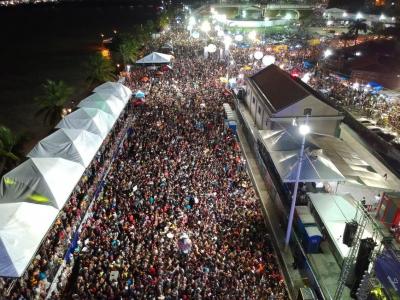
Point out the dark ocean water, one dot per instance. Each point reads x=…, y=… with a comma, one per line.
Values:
x=52, y=42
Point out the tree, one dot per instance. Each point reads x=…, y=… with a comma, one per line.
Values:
x=378, y=29
x=128, y=49
x=7, y=145
x=99, y=69
x=52, y=101
x=346, y=37
x=163, y=20
x=355, y=27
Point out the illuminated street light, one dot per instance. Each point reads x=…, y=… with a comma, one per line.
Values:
x=359, y=16
x=327, y=53
x=358, y=53
x=227, y=41
x=304, y=129
x=192, y=21
x=205, y=27
x=252, y=35
x=258, y=55
x=238, y=38
x=115, y=31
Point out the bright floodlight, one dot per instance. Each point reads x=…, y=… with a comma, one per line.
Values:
x=358, y=53
x=205, y=26
x=288, y=16
x=304, y=129
x=252, y=35
x=327, y=53
x=359, y=16
x=268, y=60
x=345, y=15
x=382, y=17
x=192, y=21
x=196, y=35
x=258, y=55
x=238, y=38
x=211, y=48
x=227, y=41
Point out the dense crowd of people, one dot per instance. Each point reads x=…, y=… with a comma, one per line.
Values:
x=177, y=217
x=300, y=59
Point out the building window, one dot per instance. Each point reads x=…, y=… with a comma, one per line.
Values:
x=259, y=110
x=254, y=100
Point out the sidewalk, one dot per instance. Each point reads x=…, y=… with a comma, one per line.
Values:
x=293, y=278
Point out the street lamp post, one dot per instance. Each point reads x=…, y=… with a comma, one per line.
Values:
x=304, y=129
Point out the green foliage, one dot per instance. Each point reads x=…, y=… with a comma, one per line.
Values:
x=99, y=69
x=163, y=20
x=346, y=37
x=7, y=151
x=356, y=27
x=51, y=103
x=128, y=49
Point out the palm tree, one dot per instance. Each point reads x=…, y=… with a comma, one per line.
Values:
x=128, y=49
x=52, y=101
x=346, y=37
x=356, y=26
x=7, y=145
x=99, y=69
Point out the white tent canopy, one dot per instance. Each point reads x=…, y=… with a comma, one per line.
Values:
x=107, y=103
x=315, y=166
x=45, y=181
x=91, y=119
x=155, y=58
x=22, y=228
x=115, y=89
x=72, y=144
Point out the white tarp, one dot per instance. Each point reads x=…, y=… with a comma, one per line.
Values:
x=72, y=144
x=22, y=228
x=91, y=119
x=43, y=181
x=115, y=89
x=107, y=103
x=314, y=168
x=155, y=58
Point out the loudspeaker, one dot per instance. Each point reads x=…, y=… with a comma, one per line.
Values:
x=349, y=233
x=363, y=259
x=364, y=254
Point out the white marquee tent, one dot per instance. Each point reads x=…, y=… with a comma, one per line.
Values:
x=107, y=103
x=115, y=89
x=22, y=228
x=155, y=58
x=41, y=180
x=72, y=144
x=91, y=119
x=32, y=194
x=315, y=166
